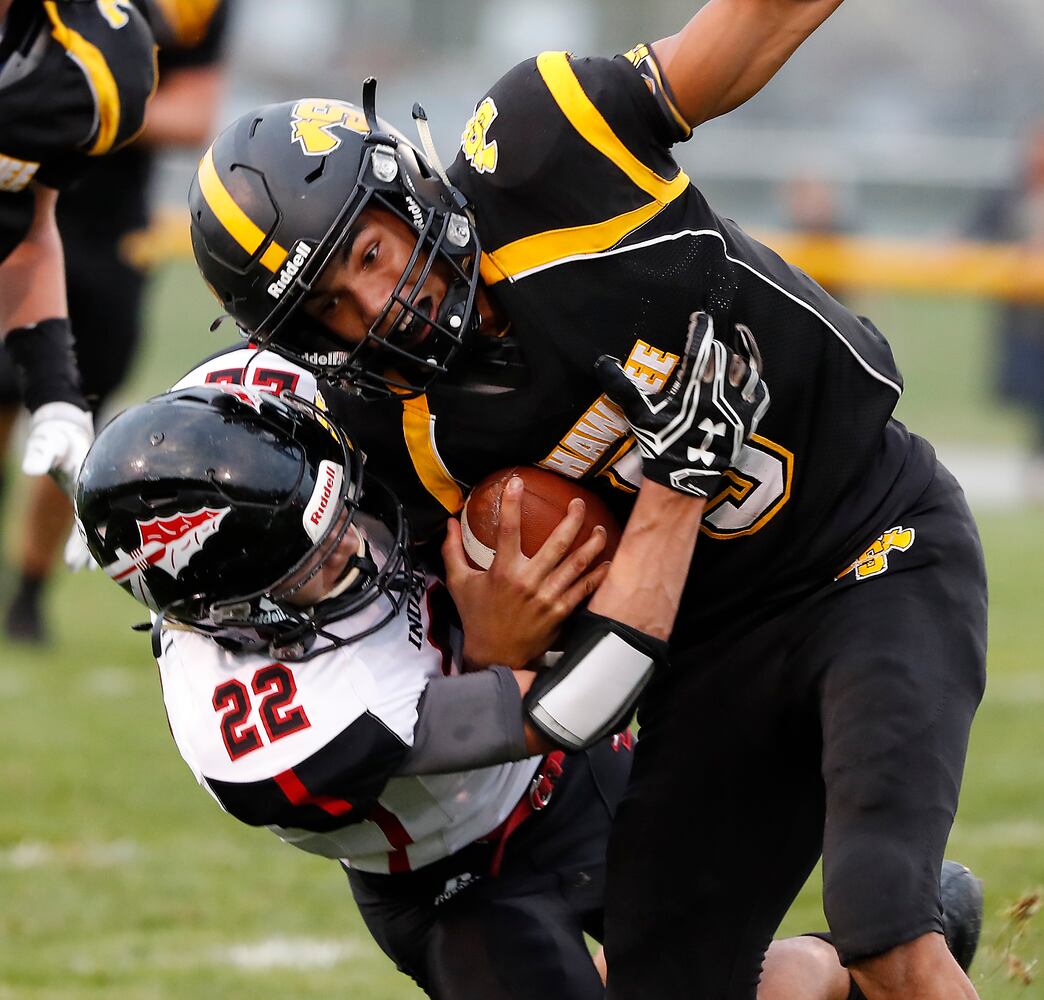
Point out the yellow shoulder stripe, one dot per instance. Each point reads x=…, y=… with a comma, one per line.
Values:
x=418, y=426
x=106, y=92
x=236, y=222
x=565, y=88
x=532, y=252
x=541, y=249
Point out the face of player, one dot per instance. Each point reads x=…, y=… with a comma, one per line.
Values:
x=332, y=574
x=355, y=286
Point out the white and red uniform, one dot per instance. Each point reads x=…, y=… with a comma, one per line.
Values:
x=312, y=749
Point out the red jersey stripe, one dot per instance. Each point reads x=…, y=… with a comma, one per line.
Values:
x=392, y=828
x=293, y=788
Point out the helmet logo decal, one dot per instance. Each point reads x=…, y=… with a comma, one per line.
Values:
x=322, y=506
x=113, y=11
x=252, y=397
x=314, y=119
x=482, y=155
x=293, y=263
x=167, y=543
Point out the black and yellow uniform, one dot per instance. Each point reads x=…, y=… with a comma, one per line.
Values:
x=74, y=81
x=105, y=289
x=829, y=651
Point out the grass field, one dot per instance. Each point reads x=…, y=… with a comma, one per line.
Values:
x=120, y=878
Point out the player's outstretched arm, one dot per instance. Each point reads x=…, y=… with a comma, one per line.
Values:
x=730, y=49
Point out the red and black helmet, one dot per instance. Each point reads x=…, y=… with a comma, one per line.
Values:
x=277, y=194
x=206, y=503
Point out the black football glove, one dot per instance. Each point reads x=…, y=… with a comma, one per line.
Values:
x=692, y=430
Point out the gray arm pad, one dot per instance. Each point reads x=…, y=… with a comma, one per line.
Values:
x=467, y=722
x=592, y=690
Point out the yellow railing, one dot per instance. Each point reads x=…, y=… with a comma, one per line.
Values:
x=987, y=270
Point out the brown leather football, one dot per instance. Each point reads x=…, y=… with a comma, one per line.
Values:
x=545, y=497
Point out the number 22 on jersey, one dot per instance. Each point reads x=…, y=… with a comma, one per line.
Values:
x=274, y=685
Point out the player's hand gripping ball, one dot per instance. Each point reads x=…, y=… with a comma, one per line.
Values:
x=545, y=498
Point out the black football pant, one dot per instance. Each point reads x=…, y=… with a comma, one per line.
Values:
x=465, y=935
x=840, y=726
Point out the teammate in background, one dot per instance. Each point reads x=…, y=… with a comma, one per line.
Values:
x=829, y=650
x=74, y=82
x=95, y=217
x=1016, y=215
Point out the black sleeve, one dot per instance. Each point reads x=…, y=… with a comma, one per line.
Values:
x=467, y=722
x=671, y=124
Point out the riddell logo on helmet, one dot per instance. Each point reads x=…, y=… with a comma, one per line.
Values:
x=323, y=505
x=415, y=212
x=293, y=263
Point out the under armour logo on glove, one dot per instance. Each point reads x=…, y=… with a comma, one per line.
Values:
x=692, y=430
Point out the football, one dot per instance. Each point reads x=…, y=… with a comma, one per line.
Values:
x=545, y=497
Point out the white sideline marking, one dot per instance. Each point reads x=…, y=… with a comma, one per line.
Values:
x=1018, y=834
x=288, y=953
x=13, y=682
x=111, y=681
x=1024, y=688
x=29, y=854
x=992, y=477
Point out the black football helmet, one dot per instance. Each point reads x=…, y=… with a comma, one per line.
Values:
x=278, y=193
x=206, y=503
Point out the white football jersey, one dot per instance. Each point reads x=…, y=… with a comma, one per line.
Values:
x=310, y=749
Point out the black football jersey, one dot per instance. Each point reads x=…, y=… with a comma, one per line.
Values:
x=121, y=181
x=74, y=81
x=596, y=242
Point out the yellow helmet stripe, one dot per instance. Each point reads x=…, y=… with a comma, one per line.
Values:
x=91, y=60
x=236, y=222
x=554, y=246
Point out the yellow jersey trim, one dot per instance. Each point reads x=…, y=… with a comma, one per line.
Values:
x=542, y=249
x=417, y=428
x=106, y=92
x=235, y=221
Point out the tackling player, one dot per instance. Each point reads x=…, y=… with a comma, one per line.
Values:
x=829, y=651
x=74, y=81
x=331, y=707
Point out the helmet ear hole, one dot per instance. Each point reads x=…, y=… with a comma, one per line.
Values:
x=317, y=173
